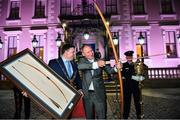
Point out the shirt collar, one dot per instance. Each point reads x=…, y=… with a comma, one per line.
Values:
x=64, y=60
x=92, y=60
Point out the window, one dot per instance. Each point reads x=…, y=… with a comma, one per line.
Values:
x=138, y=7
x=12, y=45
x=171, y=44
x=144, y=46
x=111, y=6
x=65, y=7
x=14, y=10
x=115, y=37
x=40, y=9
x=166, y=7
x=39, y=50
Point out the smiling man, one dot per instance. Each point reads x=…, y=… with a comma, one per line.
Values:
x=93, y=83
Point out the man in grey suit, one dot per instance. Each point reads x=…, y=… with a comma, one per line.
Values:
x=93, y=84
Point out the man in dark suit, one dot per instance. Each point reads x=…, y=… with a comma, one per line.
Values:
x=97, y=54
x=131, y=86
x=66, y=67
x=93, y=84
x=19, y=96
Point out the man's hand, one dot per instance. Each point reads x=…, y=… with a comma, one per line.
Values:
x=81, y=92
x=138, y=78
x=24, y=93
x=118, y=65
x=101, y=63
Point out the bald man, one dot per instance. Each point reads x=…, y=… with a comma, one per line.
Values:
x=93, y=84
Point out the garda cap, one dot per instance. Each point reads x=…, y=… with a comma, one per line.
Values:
x=129, y=53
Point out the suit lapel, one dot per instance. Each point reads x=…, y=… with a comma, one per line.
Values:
x=74, y=68
x=94, y=71
x=61, y=64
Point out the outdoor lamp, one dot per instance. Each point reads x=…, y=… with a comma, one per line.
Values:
x=1, y=43
x=178, y=38
x=86, y=35
x=58, y=40
x=141, y=39
x=115, y=39
x=34, y=42
x=64, y=25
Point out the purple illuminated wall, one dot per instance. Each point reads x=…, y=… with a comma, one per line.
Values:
x=125, y=23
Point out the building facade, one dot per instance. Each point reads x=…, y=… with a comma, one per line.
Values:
x=157, y=21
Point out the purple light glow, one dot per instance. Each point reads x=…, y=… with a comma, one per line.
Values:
x=159, y=34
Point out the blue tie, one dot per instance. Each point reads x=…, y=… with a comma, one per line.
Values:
x=69, y=68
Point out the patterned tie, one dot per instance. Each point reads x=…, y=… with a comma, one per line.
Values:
x=69, y=69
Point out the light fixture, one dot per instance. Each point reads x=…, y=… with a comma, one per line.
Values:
x=34, y=42
x=58, y=40
x=107, y=23
x=141, y=38
x=178, y=38
x=115, y=39
x=1, y=43
x=86, y=35
x=64, y=25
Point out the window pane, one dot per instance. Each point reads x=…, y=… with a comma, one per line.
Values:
x=138, y=50
x=108, y=2
x=144, y=46
x=166, y=6
x=65, y=7
x=65, y=3
x=114, y=2
x=172, y=37
x=145, y=51
x=12, y=45
x=167, y=37
x=14, y=10
x=15, y=4
x=138, y=7
x=111, y=6
x=40, y=40
x=12, y=41
x=39, y=9
x=171, y=44
x=171, y=48
x=39, y=51
x=40, y=47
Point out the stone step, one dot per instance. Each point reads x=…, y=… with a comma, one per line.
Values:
x=111, y=87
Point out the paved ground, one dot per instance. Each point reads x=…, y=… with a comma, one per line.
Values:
x=158, y=104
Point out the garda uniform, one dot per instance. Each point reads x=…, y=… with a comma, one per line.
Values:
x=130, y=87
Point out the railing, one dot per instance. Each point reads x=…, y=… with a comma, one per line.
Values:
x=157, y=78
x=84, y=10
x=159, y=73
x=79, y=10
x=153, y=73
x=112, y=85
x=164, y=73
x=2, y=77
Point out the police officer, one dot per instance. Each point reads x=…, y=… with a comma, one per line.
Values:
x=130, y=86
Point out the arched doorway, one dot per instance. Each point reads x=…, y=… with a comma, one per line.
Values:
x=95, y=40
